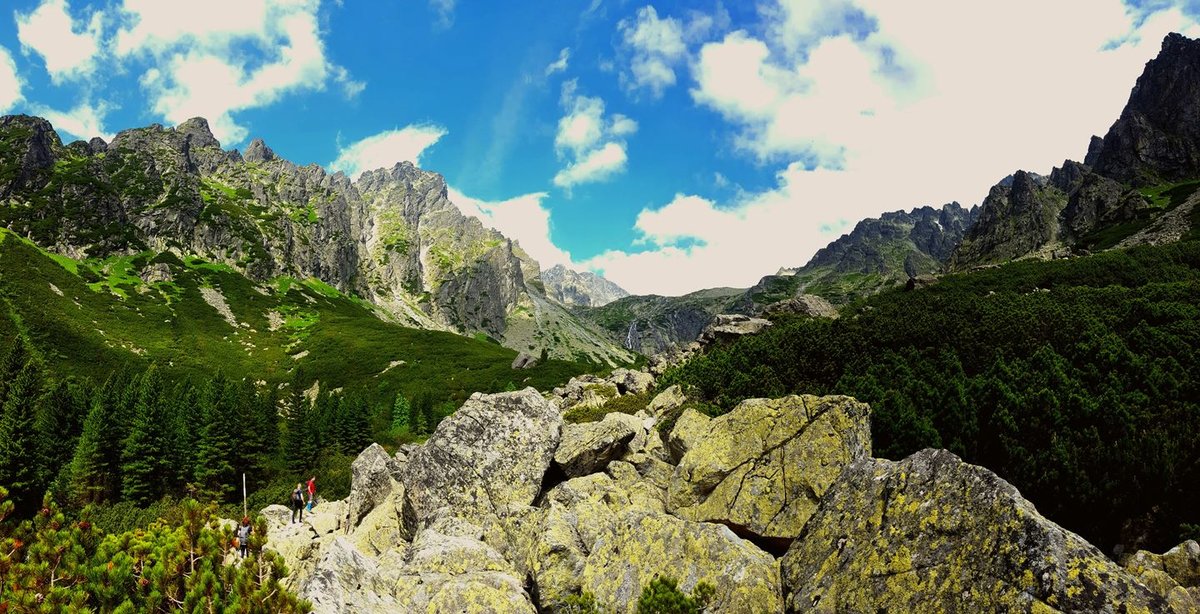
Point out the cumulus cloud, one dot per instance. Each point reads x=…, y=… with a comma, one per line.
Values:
x=10, y=82
x=875, y=106
x=68, y=47
x=84, y=121
x=559, y=65
x=385, y=149
x=522, y=219
x=656, y=46
x=593, y=145
x=216, y=58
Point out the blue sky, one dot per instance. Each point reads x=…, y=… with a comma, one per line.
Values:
x=671, y=145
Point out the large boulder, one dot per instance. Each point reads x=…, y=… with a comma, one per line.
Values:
x=687, y=432
x=373, y=479
x=934, y=534
x=608, y=534
x=631, y=382
x=347, y=581
x=1174, y=574
x=489, y=455
x=588, y=447
x=762, y=468
x=637, y=546
x=667, y=400
x=449, y=569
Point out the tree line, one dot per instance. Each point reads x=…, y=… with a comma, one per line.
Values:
x=140, y=436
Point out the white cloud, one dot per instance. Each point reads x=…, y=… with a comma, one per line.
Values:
x=10, y=82
x=84, y=121
x=596, y=165
x=522, y=219
x=386, y=149
x=883, y=112
x=216, y=58
x=594, y=146
x=559, y=65
x=656, y=46
x=69, y=48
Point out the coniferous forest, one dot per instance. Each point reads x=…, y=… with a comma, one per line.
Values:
x=1071, y=379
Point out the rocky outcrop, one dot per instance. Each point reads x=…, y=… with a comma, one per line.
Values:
x=488, y=457
x=729, y=327
x=763, y=467
x=1015, y=221
x=803, y=305
x=498, y=512
x=575, y=289
x=932, y=533
x=1157, y=137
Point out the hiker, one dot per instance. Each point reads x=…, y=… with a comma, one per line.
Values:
x=243, y=535
x=312, y=492
x=298, y=502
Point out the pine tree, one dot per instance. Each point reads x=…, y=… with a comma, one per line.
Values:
x=144, y=461
x=94, y=466
x=185, y=419
x=358, y=424
x=18, y=437
x=417, y=413
x=299, y=442
x=59, y=422
x=215, y=452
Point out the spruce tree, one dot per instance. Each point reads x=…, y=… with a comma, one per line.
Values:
x=59, y=422
x=299, y=442
x=144, y=461
x=10, y=365
x=215, y=453
x=18, y=437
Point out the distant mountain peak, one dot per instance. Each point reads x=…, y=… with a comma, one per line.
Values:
x=583, y=289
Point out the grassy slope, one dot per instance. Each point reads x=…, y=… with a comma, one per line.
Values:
x=106, y=317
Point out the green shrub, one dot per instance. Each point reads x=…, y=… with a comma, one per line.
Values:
x=662, y=596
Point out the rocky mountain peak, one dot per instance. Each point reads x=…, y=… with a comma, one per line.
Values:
x=584, y=289
x=198, y=133
x=1157, y=137
x=258, y=151
x=32, y=143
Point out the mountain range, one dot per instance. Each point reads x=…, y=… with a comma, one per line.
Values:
x=393, y=238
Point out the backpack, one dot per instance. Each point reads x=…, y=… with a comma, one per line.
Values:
x=244, y=533
x=297, y=498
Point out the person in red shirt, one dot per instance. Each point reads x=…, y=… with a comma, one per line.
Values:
x=312, y=491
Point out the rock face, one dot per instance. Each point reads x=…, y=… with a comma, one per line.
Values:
x=1157, y=137
x=575, y=289
x=392, y=236
x=931, y=533
x=803, y=305
x=489, y=456
x=763, y=467
x=1015, y=220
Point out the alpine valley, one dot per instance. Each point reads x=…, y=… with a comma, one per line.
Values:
x=991, y=408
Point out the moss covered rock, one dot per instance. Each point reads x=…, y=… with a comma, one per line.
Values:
x=763, y=467
x=589, y=446
x=489, y=455
x=934, y=534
